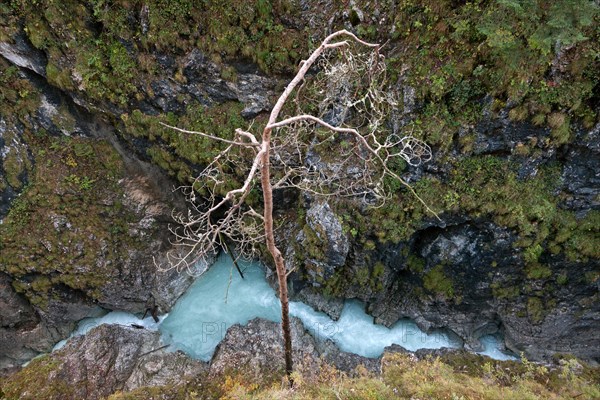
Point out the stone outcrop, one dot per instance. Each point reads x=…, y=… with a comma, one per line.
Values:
x=17, y=326
x=323, y=241
x=143, y=195
x=107, y=359
x=256, y=349
x=471, y=274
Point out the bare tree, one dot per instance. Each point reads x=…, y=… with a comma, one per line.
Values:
x=345, y=108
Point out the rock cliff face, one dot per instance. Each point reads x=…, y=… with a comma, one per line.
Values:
x=84, y=220
x=87, y=170
x=471, y=272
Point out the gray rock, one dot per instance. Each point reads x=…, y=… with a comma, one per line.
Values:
x=475, y=257
x=328, y=229
x=131, y=282
x=330, y=306
x=325, y=232
x=25, y=331
x=257, y=349
x=570, y=327
x=580, y=174
x=17, y=321
x=409, y=99
x=23, y=54
x=347, y=362
x=113, y=358
x=145, y=275
x=14, y=154
x=254, y=92
x=165, y=96
x=206, y=85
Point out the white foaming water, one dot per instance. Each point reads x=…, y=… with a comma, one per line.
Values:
x=113, y=317
x=491, y=348
x=199, y=320
x=220, y=298
x=356, y=333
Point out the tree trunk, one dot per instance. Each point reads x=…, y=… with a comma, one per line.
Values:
x=277, y=257
x=268, y=189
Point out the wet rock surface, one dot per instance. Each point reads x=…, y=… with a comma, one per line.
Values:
x=479, y=262
x=18, y=321
x=580, y=174
x=20, y=52
x=331, y=306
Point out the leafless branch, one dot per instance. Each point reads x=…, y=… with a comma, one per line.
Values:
x=253, y=142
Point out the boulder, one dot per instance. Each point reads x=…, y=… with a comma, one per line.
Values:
x=107, y=359
x=256, y=349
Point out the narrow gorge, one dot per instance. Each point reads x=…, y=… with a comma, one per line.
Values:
x=506, y=94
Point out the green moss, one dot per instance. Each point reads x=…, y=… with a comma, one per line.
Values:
x=378, y=269
x=114, y=64
x=592, y=277
x=533, y=253
x=38, y=32
x=582, y=242
x=314, y=243
x=505, y=292
x=370, y=277
x=59, y=77
x=37, y=382
x=458, y=53
x=394, y=222
x=362, y=276
x=536, y=310
x=229, y=30
x=538, y=271
x=415, y=263
x=61, y=224
x=337, y=284
x=16, y=163
x=18, y=96
x=488, y=186
x=561, y=134
x=178, y=153
x=436, y=281
x=562, y=279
